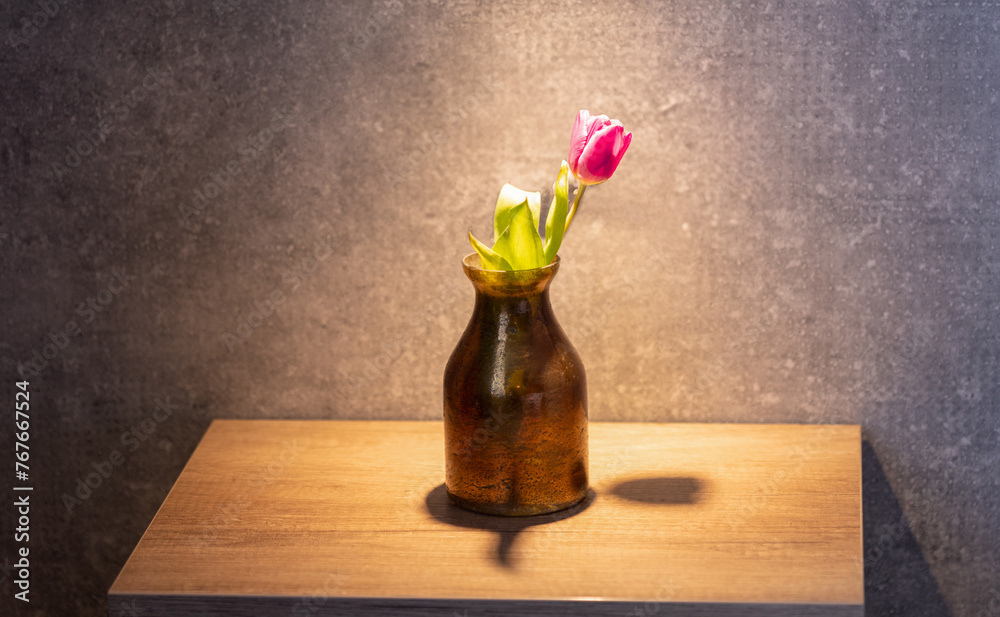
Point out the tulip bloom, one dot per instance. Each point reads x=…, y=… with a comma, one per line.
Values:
x=596, y=147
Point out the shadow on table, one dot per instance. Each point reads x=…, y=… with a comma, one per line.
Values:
x=655, y=490
x=508, y=527
x=897, y=579
x=661, y=490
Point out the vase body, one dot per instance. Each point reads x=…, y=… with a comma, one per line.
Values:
x=515, y=401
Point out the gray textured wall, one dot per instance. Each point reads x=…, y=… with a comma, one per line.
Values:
x=804, y=230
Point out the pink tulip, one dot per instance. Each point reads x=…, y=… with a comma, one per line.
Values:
x=596, y=147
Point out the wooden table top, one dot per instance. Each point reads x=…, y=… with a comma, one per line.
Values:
x=351, y=517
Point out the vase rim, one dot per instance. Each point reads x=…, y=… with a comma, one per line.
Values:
x=471, y=260
x=509, y=282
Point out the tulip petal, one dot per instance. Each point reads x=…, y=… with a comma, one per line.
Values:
x=520, y=243
x=596, y=124
x=578, y=138
x=490, y=259
x=618, y=145
x=603, y=152
x=555, y=223
x=511, y=197
x=590, y=163
x=597, y=145
x=626, y=142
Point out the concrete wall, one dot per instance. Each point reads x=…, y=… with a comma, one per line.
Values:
x=804, y=230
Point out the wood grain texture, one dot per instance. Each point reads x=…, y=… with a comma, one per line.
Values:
x=341, y=517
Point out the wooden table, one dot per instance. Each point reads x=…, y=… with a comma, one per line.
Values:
x=278, y=517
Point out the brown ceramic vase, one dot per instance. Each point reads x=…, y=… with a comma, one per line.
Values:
x=515, y=401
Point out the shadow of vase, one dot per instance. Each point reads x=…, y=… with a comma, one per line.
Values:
x=659, y=490
x=506, y=527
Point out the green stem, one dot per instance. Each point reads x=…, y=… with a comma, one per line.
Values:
x=576, y=204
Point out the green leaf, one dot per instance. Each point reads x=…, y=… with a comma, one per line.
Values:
x=510, y=198
x=520, y=243
x=555, y=222
x=490, y=259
